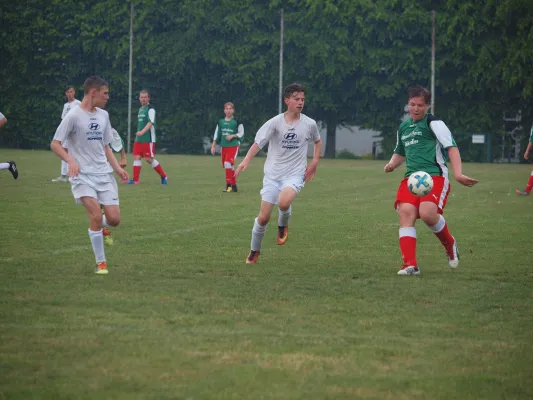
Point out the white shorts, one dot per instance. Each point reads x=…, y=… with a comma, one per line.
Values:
x=272, y=189
x=101, y=187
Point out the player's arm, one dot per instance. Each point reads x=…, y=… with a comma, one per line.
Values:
x=214, y=144
x=457, y=167
x=310, y=171
x=252, y=152
x=529, y=145
x=395, y=161
x=114, y=163
x=123, y=160
x=62, y=132
x=3, y=120
x=240, y=132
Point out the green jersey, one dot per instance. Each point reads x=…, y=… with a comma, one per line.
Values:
x=423, y=144
x=146, y=114
x=531, y=135
x=225, y=128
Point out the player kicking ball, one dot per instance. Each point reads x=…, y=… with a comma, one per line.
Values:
x=422, y=142
x=91, y=162
x=286, y=169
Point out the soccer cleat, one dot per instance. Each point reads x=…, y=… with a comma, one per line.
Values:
x=164, y=181
x=252, y=257
x=108, y=240
x=233, y=188
x=13, y=169
x=61, y=178
x=101, y=268
x=522, y=193
x=283, y=234
x=453, y=254
x=410, y=270
x=132, y=182
x=228, y=190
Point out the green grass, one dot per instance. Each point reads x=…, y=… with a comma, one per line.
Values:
x=180, y=316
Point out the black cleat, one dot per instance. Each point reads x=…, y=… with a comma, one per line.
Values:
x=13, y=169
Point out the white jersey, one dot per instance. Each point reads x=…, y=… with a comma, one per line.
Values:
x=2, y=116
x=87, y=133
x=69, y=106
x=288, y=144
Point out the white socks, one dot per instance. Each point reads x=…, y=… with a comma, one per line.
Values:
x=155, y=163
x=284, y=217
x=258, y=231
x=97, y=241
x=439, y=226
x=4, y=165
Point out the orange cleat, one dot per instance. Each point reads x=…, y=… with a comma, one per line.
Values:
x=101, y=268
x=283, y=234
x=252, y=257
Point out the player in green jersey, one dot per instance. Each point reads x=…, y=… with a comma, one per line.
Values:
x=144, y=146
x=423, y=142
x=526, y=156
x=229, y=133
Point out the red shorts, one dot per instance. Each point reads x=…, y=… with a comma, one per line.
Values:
x=229, y=154
x=146, y=149
x=438, y=195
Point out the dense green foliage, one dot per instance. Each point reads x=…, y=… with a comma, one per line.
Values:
x=355, y=57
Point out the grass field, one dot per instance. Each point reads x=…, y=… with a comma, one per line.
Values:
x=181, y=316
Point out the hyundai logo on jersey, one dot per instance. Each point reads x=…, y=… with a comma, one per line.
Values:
x=94, y=126
x=290, y=136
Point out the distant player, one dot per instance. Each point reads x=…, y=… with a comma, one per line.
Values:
x=526, y=156
x=144, y=146
x=70, y=93
x=91, y=162
x=229, y=133
x=422, y=141
x=11, y=166
x=286, y=169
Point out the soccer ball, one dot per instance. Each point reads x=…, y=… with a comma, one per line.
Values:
x=420, y=183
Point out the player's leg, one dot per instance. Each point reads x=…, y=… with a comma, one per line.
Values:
x=258, y=231
x=137, y=165
x=226, y=154
x=407, y=206
x=11, y=166
x=155, y=164
x=408, y=214
x=529, y=186
x=64, y=168
x=285, y=199
x=233, y=152
x=431, y=209
x=92, y=207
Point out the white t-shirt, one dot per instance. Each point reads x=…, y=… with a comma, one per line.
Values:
x=87, y=134
x=2, y=117
x=288, y=144
x=69, y=106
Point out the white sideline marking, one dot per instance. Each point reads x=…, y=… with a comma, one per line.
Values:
x=76, y=249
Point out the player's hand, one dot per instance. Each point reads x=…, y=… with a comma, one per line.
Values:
x=123, y=175
x=526, y=155
x=213, y=150
x=139, y=133
x=388, y=168
x=229, y=137
x=310, y=172
x=242, y=166
x=73, y=169
x=467, y=181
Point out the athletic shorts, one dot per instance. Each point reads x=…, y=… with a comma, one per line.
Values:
x=101, y=187
x=229, y=154
x=271, y=188
x=146, y=149
x=438, y=195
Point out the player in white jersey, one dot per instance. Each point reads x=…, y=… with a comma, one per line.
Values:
x=91, y=162
x=10, y=165
x=286, y=169
x=72, y=102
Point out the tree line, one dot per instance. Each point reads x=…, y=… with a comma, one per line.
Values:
x=356, y=58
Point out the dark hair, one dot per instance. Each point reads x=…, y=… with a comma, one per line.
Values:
x=93, y=82
x=293, y=88
x=68, y=87
x=419, y=91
